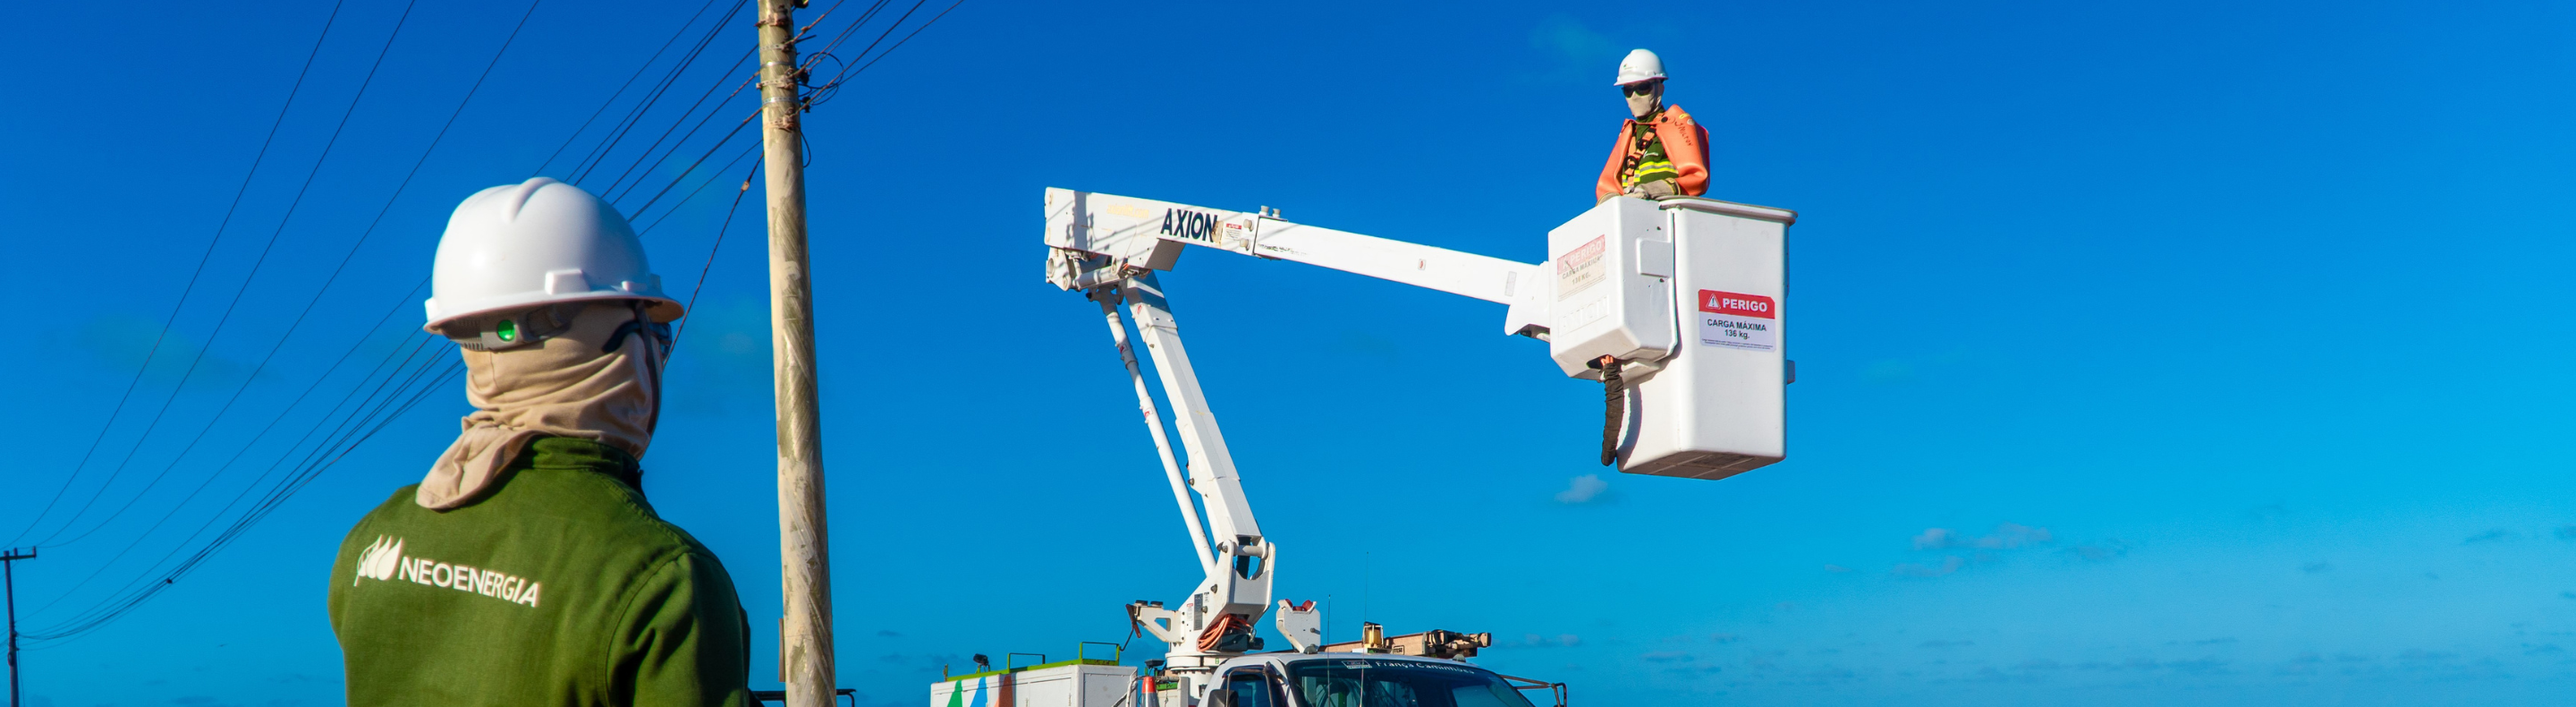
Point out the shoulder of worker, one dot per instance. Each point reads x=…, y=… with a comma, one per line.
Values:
x=1674, y=114
x=565, y=501
x=370, y=528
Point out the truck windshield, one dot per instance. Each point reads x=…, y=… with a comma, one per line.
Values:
x=1397, y=683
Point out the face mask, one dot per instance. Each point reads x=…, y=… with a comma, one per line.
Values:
x=1643, y=98
x=598, y=378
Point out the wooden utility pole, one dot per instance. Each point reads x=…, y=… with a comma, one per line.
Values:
x=9, y=576
x=805, y=571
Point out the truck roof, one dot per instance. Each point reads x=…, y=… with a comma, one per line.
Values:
x=1282, y=659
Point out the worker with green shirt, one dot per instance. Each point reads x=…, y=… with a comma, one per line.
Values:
x=1661, y=151
x=527, y=567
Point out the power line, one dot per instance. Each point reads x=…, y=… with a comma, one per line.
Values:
x=693, y=131
x=863, y=19
x=621, y=89
x=845, y=33
x=711, y=150
x=372, y=413
x=833, y=86
x=636, y=117
x=647, y=153
x=823, y=93
x=389, y=399
x=317, y=428
x=853, y=26
x=334, y=278
x=599, y=150
x=91, y=618
x=300, y=317
x=702, y=186
x=166, y=323
x=352, y=349
x=254, y=271
x=374, y=421
x=726, y=225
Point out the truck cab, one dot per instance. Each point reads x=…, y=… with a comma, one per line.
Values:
x=1362, y=680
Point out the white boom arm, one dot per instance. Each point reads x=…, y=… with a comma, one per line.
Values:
x=1623, y=275
x=1098, y=239
x=1110, y=245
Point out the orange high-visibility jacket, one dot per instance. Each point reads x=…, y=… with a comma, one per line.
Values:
x=1685, y=143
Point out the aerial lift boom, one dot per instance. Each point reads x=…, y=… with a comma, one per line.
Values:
x=1680, y=298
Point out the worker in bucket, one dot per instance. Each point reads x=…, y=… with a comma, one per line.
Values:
x=527, y=567
x=1661, y=151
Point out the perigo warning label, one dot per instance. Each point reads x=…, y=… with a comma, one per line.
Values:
x=1580, y=268
x=1738, y=320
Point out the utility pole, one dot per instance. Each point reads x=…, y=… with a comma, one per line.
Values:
x=805, y=566
x=9, y=576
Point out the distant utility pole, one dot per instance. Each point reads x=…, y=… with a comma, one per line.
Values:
x=9, y=576
x=805, y=565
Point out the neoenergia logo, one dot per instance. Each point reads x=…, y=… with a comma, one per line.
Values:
x=378, y=561
x=384, y=560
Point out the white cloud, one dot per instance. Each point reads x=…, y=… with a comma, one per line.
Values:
x=2104, y=551
x=1574, y=44
x=1948, y=565
x=1537, y=641
x=2007, y=536
x=1583, y=489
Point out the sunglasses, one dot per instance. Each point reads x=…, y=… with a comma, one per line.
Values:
x=534, y=326
x=1640, y=88
x=514, y=330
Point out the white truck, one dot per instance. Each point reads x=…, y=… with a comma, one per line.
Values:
x=1677, y=305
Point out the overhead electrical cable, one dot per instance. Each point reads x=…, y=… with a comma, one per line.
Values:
x=805, y=70
x=846, y=30
x=693, y=131
x=725, y=225
x=818, y=19
x=357, y=424
x=621, y=88
x=702, y=186
x=389, y=404
x=711, y=150
x=336, y=271
x=408, y=394
x=400, y=304
x=889, y=30
x=346, y=400
x=881, y=36
x=636, y=117
x=193, y=277
x=647, y=153
x=837, y=79
x=598, y=150
x=354, y=416
x=256, y=265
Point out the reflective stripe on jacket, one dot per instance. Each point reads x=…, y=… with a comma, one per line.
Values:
x=1685, y=143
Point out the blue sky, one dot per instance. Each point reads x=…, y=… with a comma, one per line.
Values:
x=2202, y=353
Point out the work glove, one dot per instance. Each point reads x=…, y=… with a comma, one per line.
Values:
x=1657, y=189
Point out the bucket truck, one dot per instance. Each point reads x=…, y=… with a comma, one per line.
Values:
x=1676, y=305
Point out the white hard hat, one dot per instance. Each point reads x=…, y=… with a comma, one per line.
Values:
x=1641, y=65
x=534, y=243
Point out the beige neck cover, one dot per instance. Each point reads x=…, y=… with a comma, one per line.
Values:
x=562, y=387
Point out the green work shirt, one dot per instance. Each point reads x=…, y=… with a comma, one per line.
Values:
x=559, y=588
